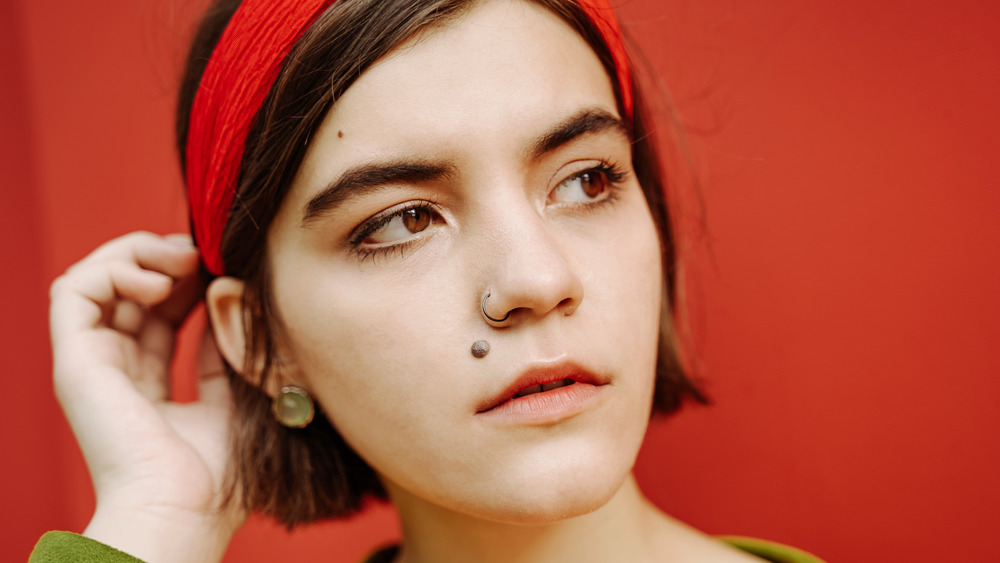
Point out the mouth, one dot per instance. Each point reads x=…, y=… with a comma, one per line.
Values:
x=543, y=385
x=543, y=388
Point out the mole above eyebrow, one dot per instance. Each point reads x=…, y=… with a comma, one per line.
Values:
x=369, y=177
x=581, y=123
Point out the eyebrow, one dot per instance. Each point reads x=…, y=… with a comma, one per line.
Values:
x=581, y=123
x=370, y=177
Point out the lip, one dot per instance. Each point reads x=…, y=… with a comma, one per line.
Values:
x=548, y=406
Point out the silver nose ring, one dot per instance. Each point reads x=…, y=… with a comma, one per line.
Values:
x=487, y=315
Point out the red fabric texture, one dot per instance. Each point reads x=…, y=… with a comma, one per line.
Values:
x=240, y=73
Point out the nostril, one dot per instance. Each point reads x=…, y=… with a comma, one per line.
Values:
x=568, y=306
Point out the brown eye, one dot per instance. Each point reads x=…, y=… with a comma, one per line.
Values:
x=592, y=184
x=396, y=226
x=416, y=220
x=583, y=187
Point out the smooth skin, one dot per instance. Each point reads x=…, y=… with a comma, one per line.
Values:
x=378, y=297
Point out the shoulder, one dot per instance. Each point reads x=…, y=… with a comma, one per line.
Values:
x=769, y=551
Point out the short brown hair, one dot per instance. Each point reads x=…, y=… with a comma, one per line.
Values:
x=303, y=475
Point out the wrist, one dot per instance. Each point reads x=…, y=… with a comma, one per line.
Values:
x=157, y=535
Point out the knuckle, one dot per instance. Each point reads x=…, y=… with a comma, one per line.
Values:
x=58, y=286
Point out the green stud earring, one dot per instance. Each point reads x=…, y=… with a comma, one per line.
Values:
x=293, y=407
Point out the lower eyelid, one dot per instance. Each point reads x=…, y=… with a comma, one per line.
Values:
x=373, y=253
x=364, y=252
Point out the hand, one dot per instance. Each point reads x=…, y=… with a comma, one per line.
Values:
x=157, y=466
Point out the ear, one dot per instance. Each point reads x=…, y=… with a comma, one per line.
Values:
x=224, y=301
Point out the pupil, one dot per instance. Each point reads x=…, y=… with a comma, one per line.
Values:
x=416, y=220
x=591, y=185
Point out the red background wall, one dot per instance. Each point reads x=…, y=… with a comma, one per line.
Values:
x=845, y=297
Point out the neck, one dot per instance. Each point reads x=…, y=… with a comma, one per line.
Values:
x=626, y=528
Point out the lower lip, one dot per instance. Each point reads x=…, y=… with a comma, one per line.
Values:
x=546, y=407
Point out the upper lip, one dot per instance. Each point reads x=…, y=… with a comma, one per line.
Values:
x=541, y=374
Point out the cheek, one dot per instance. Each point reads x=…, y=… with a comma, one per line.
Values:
x=625, y=287
x=381, y=357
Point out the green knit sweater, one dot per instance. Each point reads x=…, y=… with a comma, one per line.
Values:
x=67, y=547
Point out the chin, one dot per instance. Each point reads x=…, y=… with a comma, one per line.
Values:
x=528, y=476
x=561, y=486
x=549, y=508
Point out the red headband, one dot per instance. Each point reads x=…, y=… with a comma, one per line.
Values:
x=237, y=78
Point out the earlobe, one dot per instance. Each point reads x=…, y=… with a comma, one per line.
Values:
x=224, y=301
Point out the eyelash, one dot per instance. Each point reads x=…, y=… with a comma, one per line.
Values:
x=614, y=174
x=377, y=252
x=372, y=226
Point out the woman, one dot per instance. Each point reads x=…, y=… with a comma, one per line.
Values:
x=439, y=270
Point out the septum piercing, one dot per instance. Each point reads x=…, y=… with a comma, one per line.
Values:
x=487, y=315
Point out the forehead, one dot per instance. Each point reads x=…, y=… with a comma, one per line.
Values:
x=503, y=71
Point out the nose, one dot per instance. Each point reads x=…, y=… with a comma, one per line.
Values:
x=531, y=275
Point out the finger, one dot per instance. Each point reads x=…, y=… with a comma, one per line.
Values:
x=180, y=238
x=186, y=293
x=156, y=341
x=85, y=298
x=128, y=317
x=173, y=255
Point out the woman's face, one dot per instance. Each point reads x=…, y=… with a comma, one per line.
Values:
x=486, y=156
